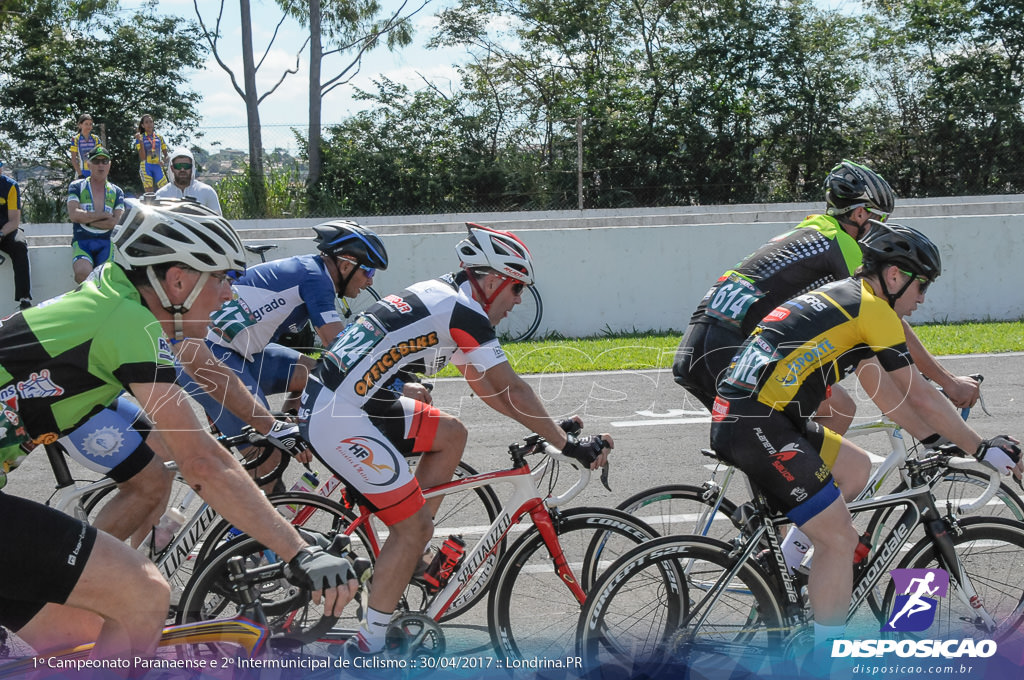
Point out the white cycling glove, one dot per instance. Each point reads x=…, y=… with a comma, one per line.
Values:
x=1000, y=452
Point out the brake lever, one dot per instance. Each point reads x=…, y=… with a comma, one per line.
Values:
x=604, y=475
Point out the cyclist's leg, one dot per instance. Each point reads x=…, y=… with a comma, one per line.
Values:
x=81, y=260
x=418, y=427
x=96, y=586
x=114, y=443
x=363, y=456
x=703, y=355
x=300, y=369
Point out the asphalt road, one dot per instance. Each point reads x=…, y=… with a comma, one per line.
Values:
x=657, y=429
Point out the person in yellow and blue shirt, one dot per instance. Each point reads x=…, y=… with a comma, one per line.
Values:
x=82, y=145
x=152, y=155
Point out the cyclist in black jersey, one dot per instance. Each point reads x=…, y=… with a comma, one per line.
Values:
x=63, y=582
x=761, y=419
x=820, y=249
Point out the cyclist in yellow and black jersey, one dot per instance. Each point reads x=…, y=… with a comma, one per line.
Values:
x=760, y=420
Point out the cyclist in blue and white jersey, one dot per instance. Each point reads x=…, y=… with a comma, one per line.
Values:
x=275, y=298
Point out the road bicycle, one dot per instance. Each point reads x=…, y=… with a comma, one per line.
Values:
x=705, y=510
x=536, y=587
x=524, y=319
x=204, y=645
x=685, y=602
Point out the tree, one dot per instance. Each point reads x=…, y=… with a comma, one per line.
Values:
x=352, y=29
x=64, y=58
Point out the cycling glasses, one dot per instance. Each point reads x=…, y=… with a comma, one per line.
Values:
x=369, y=271
x=181, y=166
x=517, y=286
x=877, y=214
x=922, y=280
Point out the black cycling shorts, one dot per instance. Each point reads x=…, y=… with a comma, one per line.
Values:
x=703, y=356
x=791, y=464
x=43, y=555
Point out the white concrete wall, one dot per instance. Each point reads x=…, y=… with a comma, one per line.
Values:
x=651, y=277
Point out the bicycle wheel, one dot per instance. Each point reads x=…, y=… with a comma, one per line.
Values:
x=350, y=308
x=289, y=609
x=991, y=553
x=678, y=509
x=531, y=612
x=666, y=608
x=524, y=319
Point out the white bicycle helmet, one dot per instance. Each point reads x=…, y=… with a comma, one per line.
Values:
x=176, y=231
x=501, y=251
x=172, y=231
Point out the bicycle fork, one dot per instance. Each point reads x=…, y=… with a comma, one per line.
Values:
x=938, y=531
x=546, y=526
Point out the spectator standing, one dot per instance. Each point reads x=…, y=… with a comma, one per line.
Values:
x=185, y=184
x=93, y=217
x=12, y=239
x=82, y=145
x=152, y=155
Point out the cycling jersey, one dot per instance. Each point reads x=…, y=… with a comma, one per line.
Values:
x=67, y=358
x=351, y=410
x=81, y=147
x=81, y=191
x=272, y=299
x=153, y=146
x=814, y=253
x=760, y=420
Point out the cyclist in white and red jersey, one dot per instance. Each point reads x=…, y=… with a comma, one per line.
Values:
x=360, y=425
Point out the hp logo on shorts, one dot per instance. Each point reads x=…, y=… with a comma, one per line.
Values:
x=914, y=610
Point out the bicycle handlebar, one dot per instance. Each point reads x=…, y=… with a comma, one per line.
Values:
x=994, y=480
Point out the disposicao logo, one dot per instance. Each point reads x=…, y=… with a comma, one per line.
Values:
x=914, y=610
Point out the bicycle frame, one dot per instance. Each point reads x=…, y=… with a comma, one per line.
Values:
x=525, y=498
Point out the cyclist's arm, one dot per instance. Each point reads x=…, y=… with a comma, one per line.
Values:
x=963, y=391
x=13, y=221
x=212, y=471
x=222, y=383
x=329, y=331
x=905, y=396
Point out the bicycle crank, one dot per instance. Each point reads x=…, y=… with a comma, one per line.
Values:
x=414, y=635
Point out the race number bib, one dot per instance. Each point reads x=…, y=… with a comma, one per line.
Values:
x=732, y=298
x=355, y=342
x=747, y=367
x=231, y=319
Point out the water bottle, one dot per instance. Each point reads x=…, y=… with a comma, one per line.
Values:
x=165, y=529
x=444, y=563
x=307, y=482
x=863, y=548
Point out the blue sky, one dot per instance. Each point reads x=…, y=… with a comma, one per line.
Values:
x=223, y=108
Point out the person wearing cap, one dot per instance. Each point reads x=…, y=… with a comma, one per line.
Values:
x=94, y=206
x=12, y=239
x=82, y=145
x=185, y=184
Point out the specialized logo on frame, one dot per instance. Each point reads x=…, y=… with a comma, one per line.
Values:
x=914, y=609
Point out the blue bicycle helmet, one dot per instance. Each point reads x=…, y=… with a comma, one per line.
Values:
x=342, y=237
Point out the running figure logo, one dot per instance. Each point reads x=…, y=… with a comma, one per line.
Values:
x=914, y=610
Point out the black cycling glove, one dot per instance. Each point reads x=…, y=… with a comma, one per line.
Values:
x=585, y=450
x=315, y=569
x=285, y=436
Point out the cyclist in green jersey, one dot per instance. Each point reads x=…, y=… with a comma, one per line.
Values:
x=63, y=583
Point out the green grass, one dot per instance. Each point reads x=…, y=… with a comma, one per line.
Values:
x=655, y=350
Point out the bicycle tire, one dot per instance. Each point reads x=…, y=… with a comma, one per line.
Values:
x=989, y=550
x=524, y=319
x=634, y=623
x=591, y=538
x=678, y=509
x=289, y=609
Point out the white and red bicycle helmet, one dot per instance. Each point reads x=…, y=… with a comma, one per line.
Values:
x=501, y=251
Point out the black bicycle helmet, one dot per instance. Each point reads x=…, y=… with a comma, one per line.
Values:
x=905, y=247
x=342, y=237
x=850, y=186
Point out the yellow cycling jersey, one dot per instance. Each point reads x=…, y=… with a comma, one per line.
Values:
x=812, y=341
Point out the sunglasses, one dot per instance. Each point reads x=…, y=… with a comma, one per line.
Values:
x=921, y=280
x=369, y=271
x=182, y=166
x=100, y=161
x=877, y=214
x=517, y=286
